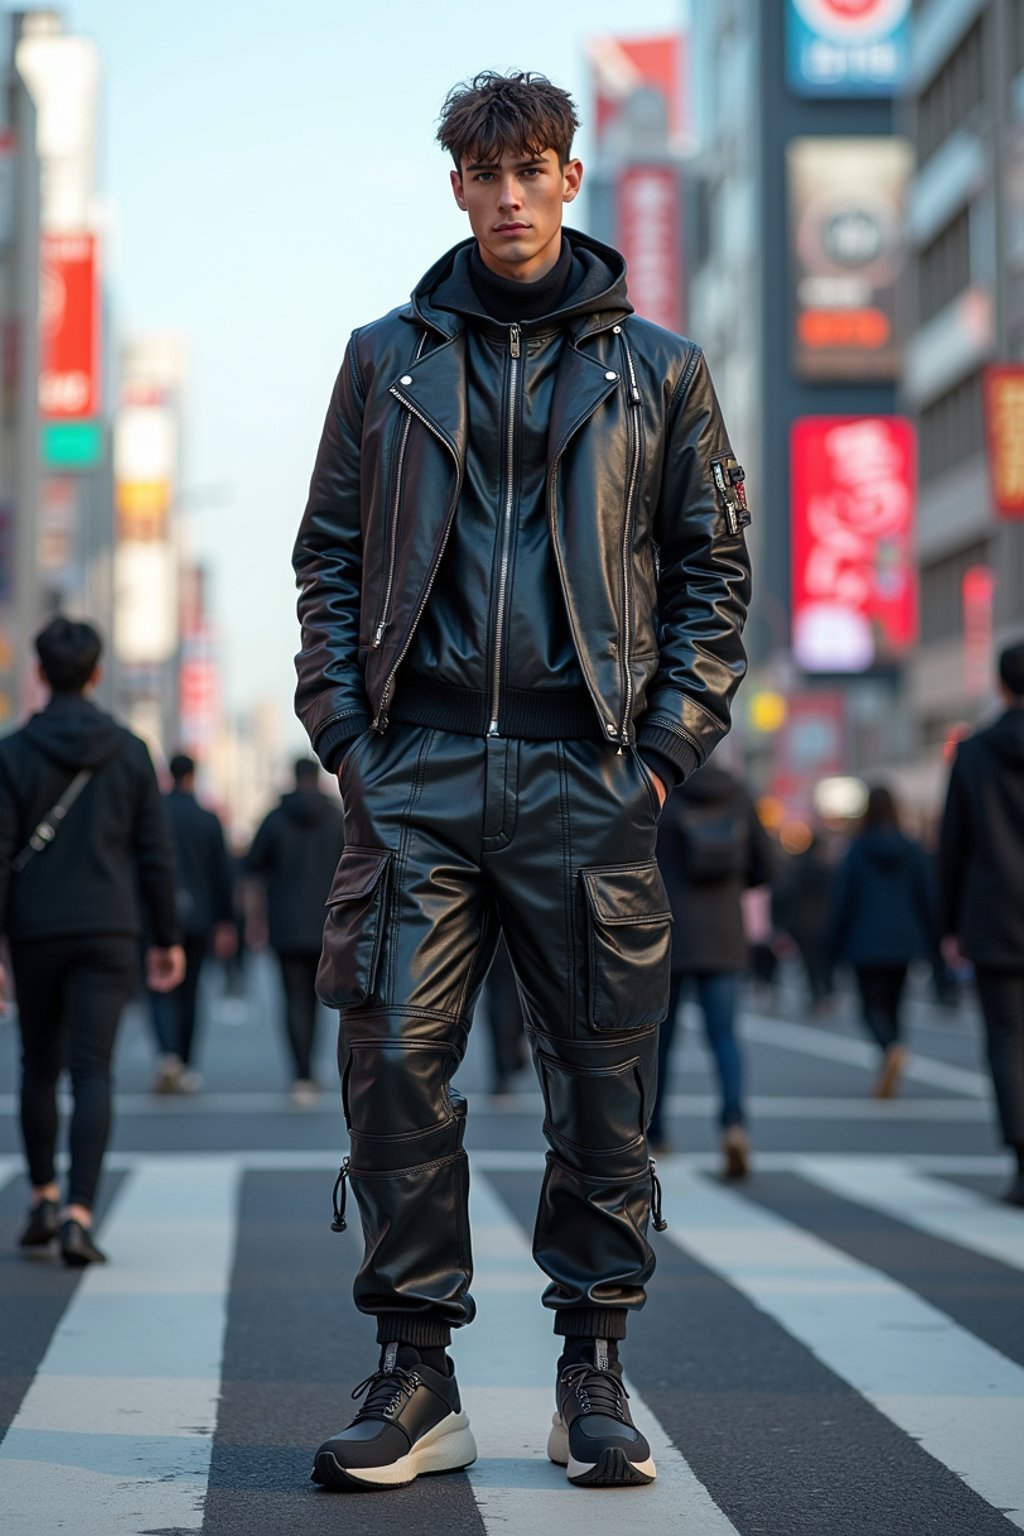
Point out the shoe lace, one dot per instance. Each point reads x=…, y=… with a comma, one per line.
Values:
x=597, y=1391
x=385, y=1393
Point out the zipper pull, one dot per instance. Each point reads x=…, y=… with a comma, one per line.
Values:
x=513, y=340
x=379, y=635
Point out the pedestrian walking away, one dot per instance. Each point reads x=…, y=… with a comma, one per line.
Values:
x=82, y=837
x=800, y=908
x=711, y=848
x=981, y=880
x=206, y=910
x=523, y=579
x=294, y=854
x=882, y=917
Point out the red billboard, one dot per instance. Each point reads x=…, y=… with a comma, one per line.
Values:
x=69, y=328
x=648, y=220
x=854, y=580
x=624, y=66
x=1004, y=429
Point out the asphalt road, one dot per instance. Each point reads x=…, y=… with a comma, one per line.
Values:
x=835, y=1346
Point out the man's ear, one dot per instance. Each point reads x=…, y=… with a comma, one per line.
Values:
x=456, y=180
x=572, y=176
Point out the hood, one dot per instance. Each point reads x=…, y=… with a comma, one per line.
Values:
x=885, y=846
x=305, y=806
x=445, y=292
x=709, y=785
x=74, y=733
x=1006, y=737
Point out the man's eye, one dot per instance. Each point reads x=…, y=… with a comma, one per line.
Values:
x=484, y=176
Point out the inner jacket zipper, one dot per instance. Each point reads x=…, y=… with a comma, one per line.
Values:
x=506, y=531
x=385, y=608
x=627, y=541
x=380, y=720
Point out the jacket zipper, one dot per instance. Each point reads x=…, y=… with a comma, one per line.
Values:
x=382, y=624
x=380, y=720
x=506, y=532
x=627, y=542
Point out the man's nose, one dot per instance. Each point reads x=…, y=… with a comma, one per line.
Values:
x=509, y=193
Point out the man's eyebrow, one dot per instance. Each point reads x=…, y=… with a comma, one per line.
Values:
x=495, y=165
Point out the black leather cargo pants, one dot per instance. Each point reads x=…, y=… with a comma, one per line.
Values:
x=448, y=837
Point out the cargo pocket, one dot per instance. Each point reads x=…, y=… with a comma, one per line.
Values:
x=354, y=929
x=628, y=949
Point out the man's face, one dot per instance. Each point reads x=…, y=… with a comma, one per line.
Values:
x=515, y=209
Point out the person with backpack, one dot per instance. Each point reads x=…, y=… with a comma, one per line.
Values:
x=711, y=848
x=82, y=838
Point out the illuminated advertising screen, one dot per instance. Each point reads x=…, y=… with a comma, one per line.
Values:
x=649, y=234
x=69, y=387
x=1004, y=430
x=854, y=578
x=623, y=66
x=847, y=47
x=847, y=249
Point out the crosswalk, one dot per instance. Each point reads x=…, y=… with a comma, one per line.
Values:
x=837, y=1346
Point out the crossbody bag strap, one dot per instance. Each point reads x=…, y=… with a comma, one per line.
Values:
x=49, y=826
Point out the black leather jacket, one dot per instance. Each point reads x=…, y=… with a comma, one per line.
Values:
x=645, y=506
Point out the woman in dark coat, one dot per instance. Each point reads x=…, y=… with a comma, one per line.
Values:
x=711, y=847
x=883, y=916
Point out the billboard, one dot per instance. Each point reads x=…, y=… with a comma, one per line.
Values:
x=69, y=378
x=145, y=450
x=854, y=578
x=847, y=47
x=623, y=66
x=1003, y=385
x=648, y=230
x=847, y=199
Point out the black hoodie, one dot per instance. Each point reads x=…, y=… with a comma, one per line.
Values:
x=112, y=848
x=295, y=852
x=981, y=851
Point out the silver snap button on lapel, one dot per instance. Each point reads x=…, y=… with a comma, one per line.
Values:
x=406, y=378
x=616, y=330
x=611, y=375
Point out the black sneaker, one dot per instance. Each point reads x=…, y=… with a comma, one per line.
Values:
x=41, y=1227
x=410, y=1422
x=592, y=1434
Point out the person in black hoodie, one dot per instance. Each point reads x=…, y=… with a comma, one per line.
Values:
x=295, y=853
x=206, y=908
x=882, y=917
x=711, y=847
x=82, y=836
x=981, y=884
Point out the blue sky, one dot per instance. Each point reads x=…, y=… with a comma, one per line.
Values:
x=276, y=183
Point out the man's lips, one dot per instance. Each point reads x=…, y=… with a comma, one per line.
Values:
x=510, y=229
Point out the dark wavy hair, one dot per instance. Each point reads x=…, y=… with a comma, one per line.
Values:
x=1011, y=669
x=520, y=113
x=68, y=651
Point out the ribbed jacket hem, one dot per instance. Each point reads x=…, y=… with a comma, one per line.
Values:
x=668, y=744
x=591, y=1323
x=537, y=714
x=331, y=743
x=421, y=1332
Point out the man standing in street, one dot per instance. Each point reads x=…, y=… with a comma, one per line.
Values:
x=206, y=909
x=82, y=836
x=294, y=854
x=523, y=581
x=981, y=882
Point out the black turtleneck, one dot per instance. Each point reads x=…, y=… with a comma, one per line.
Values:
x=508, y=301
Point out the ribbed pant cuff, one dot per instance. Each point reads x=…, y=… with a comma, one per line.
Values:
x=420, y=1332
x=591, y=1323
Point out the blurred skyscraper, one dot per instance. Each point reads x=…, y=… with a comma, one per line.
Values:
x=966, y=115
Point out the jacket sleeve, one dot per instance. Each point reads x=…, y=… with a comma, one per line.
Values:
x=8, y=841
x=260, y=858
x=953, y=852
x=761, y=858
x=224, y=880
x=154, y=858
x=704, y=587
x=330, y=699
x=839, y=908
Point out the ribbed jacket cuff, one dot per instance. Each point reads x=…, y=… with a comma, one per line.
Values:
x=591, y=1323
x=420, y=1332
x=667, y=769
x=657, y=738
x=330, y=744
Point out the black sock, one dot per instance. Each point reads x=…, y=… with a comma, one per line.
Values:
x=580, y=1348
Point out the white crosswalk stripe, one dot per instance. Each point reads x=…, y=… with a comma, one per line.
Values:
x=115, y=1434
x=960, y=1398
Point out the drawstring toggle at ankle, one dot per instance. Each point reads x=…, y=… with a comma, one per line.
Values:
x=338, y=1224
x=659, y=1221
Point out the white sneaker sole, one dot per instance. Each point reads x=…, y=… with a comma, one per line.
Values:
x=613, y=1469
x=448, y=1447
